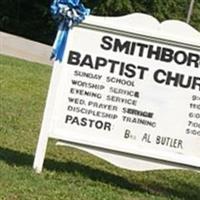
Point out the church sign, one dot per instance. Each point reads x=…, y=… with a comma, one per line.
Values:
x=128, y=91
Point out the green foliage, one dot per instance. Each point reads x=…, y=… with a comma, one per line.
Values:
x=32, y=19
x=195, y=20
x=69, y=174
x=164, y=10
x=117, y=7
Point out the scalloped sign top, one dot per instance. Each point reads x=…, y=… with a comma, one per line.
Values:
x=148, y=25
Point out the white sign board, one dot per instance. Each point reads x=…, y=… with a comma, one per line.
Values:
x=128, y=90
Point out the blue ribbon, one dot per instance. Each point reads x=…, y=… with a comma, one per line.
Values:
x=67, y=13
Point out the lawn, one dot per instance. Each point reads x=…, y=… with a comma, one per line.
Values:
x=68, y=174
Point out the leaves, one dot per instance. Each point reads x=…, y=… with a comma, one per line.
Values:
x=32, y=19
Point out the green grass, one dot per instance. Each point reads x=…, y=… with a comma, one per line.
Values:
x=68, y=174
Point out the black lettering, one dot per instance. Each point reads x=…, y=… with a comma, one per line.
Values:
x=183, y=83
x=68, y=118
x=100, y=62
x=196, y=83
x=119, y=47
x=180, y=57
x=121, y=70
x=74, y=58
x=107, y=43
x=171, y=78
x=193, y=59
x=146, y=138
x=83, y=122
x=127, y=133
x=87, y=60
x=155, y=52
x=167, y=55
x=142, y=71
x=130, y=71
x=107, y=126
x=113, y=64
x=132, y=50
x=141, y=49
x=157, y=75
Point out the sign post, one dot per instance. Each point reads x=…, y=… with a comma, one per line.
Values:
x=128, y=91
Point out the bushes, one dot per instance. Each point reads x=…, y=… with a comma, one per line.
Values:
x=31, y=19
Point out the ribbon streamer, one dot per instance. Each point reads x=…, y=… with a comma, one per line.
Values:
x=67, y=13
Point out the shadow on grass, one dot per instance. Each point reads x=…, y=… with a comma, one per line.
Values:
x=186, y=191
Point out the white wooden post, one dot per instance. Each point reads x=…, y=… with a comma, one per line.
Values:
x=46, y=124
x=190, y=11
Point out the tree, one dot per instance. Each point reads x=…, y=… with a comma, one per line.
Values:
x=32, y=19
x=162, y=10
x=117, y=7
x=171, y=9
x=195, y=20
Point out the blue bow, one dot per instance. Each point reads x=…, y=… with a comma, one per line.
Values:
x=67, y=13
